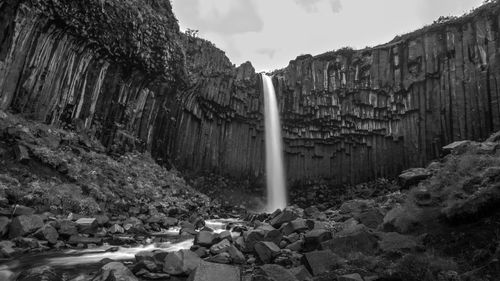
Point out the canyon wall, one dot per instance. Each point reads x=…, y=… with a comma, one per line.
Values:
x=122, y=71
x=351, y=116
x=90, y=65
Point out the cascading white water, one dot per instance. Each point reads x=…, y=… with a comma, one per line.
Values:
x=276, y=188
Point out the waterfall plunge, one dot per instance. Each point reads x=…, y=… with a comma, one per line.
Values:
x=276, y=188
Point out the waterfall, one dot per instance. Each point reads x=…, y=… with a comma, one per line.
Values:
x=276, y=188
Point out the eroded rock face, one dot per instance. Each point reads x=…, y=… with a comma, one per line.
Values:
x=123, y=72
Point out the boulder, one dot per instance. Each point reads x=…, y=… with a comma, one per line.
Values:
x=350, y=277
x=363, y=242
x=116, y=229
x=301, y=273
x=169, y=222
x=24, y=225
x=45, y=273
x=102, y=220
x=22, y=210
x=48, y=233
x=237, y=257
x=283, y=217
x=314, y=238
x=273, y=272
x=7, y=249
x=22, y=154
x=371, y=218
x=220, y=247
x=297, y=225
x=413, y=177
x=67, y=228
x=205, y=239
x=77, y=239
x=319, y=262
x=251, y=237
x=266, y=251
x=4, y=226
x=207, y=271
x=458, y=147
x=182, y=262
x=223, y=258
x=115, y=271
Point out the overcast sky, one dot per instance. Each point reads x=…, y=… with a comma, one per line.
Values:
x=270, y=33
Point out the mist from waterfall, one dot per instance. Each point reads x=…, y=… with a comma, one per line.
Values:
x=276, y=187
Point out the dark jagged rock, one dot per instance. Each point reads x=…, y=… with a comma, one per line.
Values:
x=115, y=271
x=215, y=272
x=319, y=262
x=266, y=251
x=25, y=224
x=273, y=272
x=363, y=241
x=413, y=176
x=48, y=233
x=181, y=263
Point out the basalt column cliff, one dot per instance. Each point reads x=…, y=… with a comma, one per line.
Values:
x=355, y=115
x=123, y=72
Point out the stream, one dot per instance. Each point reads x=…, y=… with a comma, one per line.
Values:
x=74, y=263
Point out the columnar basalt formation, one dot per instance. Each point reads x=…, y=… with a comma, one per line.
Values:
x=217, y=122
x=101, y=66
x=351, y=116
x=121, y=70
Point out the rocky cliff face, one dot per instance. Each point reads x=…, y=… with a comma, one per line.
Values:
x=355, y=115
x=123, y=72
x=101, y=66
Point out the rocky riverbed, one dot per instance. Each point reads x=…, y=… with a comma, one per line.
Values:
x=71, y=211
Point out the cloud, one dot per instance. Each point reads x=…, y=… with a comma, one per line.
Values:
x=222, y=17
x=311, y=6
x=267, y=52
x=336, y=6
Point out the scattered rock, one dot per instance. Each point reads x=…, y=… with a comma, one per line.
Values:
x=319, y=262
x=182, y=262
x=458, y=147
x=283, y=217
x=296, y=225
x=22, y=154
x=413, y=176
x=207, y=271
x=48, y=233
x=363, y=242
x=22, y=210
x=87, y=225
x=266, y=251
x=371, y=218
x=273, y=272
x=45, y=273
x=115, y=271
x=116, y=229
x=314, y=238
x=301, y=273
x=24, y=225
x=350, y=277
x=206, y=239
x=77, y=239
x=4, y=226
x=67, y=228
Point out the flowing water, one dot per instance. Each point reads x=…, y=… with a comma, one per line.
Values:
x=276, y=187
x=86, y=262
